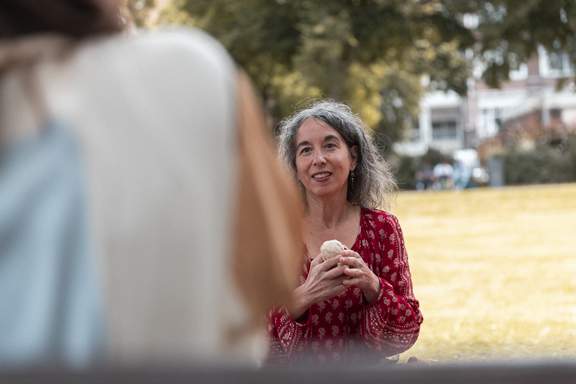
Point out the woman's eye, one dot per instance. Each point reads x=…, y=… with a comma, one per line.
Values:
x=330, y=146
x=305, y=150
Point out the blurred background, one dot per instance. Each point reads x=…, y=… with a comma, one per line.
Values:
x=474, y=105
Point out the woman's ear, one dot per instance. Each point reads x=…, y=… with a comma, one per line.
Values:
x=354, y=156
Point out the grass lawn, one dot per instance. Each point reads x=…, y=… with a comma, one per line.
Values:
x=494, y=270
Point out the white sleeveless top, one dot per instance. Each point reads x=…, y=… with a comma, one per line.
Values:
x=155, y=119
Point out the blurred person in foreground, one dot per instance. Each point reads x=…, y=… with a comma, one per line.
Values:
x=357, y=306
x=143, y=160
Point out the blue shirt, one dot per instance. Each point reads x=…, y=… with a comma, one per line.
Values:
x=50, y=301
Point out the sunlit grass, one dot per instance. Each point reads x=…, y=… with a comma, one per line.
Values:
x=494, y=270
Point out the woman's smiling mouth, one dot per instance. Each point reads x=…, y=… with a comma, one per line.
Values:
x=321, y=176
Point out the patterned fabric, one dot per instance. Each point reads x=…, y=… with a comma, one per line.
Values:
x=346, y=326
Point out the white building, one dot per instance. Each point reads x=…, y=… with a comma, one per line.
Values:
x=448, y=122
x=440, y=125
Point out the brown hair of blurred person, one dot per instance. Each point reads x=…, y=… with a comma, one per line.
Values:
x=70, y=18
x=33, y=30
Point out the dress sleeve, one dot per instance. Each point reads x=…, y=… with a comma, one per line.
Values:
x=286, y=335
x=391, y=324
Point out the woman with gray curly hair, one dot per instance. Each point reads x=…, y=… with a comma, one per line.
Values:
x=359, y=302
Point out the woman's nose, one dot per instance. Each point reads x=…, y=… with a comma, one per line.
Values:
x=319, y=158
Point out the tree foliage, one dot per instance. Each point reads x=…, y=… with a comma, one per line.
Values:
x=507, y=33
x=379, y=56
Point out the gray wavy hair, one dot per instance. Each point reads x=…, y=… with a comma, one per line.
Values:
x=373, y=182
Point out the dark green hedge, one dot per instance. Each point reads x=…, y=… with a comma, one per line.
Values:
x=549, y=162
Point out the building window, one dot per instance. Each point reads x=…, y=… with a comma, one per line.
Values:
x=556, y=113
x=554, y=63
x=444, y=130
x=490, y=121
x=557, y=62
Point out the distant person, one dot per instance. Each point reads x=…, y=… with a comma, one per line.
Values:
x=143, y=216
x=359, y=305
x=443, y=173
x=462, y=174
x=419, y=180
x=424, y=178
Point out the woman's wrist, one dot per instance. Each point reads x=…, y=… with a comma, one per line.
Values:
x=373, y=290
x=301, y=302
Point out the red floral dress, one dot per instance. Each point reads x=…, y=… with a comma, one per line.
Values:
x=347, y=326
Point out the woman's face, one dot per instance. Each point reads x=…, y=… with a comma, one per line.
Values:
x=323, y=159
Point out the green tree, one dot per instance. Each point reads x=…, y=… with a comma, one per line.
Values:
x=365, y=53
x=507, y=33
x=377, y=55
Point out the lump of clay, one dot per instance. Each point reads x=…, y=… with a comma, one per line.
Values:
x=331, y=248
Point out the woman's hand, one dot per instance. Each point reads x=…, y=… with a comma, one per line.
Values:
x=325, y=280
x=359, y=275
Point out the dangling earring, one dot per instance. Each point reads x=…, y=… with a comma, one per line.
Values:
x=352, y=177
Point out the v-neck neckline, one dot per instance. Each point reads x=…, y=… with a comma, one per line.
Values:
x=356, y=243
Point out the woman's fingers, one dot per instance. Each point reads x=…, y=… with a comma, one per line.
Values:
x=336, y=290
x=331, y=288
x=328, y=264
x=350, y=282
x=318, y=263
x=351, y=261
x=353, y=272
x=350, y=253
x=315, y=261
x=335, y=272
